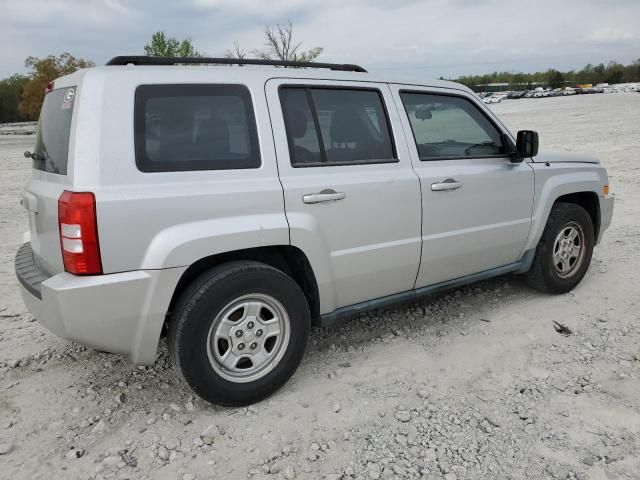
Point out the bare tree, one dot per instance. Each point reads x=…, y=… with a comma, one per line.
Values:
x=280, y=46
x=235, y=52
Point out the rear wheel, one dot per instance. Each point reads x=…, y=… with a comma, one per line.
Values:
x=564, y=252
x=239, y=332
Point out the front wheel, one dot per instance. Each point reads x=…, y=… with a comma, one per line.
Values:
x=564, y=252
x=239, y=332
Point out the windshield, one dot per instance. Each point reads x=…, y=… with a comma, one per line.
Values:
x=54, y=129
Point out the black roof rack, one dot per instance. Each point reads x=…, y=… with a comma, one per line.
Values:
x=145, y=60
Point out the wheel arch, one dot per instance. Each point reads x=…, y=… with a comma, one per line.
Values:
x=564, y=182
x=289, y=259
x=589, y=201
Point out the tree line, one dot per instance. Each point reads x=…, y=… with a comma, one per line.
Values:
x=21, y=96
x=612, y=73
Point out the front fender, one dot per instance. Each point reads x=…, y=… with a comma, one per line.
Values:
x=555, y=180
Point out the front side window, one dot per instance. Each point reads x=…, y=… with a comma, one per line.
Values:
x=195, y=127
x=336, y=126
x=446, y=126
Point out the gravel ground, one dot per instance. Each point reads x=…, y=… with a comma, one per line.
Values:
x=475, y=383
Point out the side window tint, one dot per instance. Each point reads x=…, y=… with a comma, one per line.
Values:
x=336, y=126
x=447, y=126
x=353, y=125
x=195, y=127
x=301, y=131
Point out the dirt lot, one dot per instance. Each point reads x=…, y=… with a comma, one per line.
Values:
x=475, y=383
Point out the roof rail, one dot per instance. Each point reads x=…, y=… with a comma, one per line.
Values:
x=146, y=60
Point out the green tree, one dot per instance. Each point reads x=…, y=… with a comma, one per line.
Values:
x=555, y=79
x=162, y=46
x=43, y=71
x=10, y=91
x=614, y=72
x=598, y=73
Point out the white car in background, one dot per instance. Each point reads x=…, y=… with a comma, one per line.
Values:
x=492, y=99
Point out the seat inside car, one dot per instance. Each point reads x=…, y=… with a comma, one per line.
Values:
x=213, y=139
x=350, y=136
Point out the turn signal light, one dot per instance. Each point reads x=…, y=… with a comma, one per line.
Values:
x=605, y=190
x=78, y=227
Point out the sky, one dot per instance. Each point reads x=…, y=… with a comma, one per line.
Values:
x=417, y=38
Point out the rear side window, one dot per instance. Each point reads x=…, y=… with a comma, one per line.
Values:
x=54, y=129
x=336, y=126
x=195, y=127
x=446, y=126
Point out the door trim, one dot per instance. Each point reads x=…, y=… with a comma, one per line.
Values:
x=345, y=313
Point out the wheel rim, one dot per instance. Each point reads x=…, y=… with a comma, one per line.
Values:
x=248, y=338
x=568, y=250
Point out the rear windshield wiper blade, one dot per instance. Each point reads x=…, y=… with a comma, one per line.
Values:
x=34, y=156
x=41, y=158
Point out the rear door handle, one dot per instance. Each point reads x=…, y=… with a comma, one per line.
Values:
x=327, y=195
x=448, y=184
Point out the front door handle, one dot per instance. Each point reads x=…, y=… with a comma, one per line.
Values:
x=327, y=195
x=448, y=184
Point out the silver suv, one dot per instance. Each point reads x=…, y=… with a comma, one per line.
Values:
x=237, y=205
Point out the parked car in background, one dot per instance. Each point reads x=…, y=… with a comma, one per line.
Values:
x=492, y=99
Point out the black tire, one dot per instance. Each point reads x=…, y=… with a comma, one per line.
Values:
x=543, y=275
x=200, y=304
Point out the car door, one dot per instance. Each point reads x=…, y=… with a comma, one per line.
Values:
x=476, y=203
x=352, y=199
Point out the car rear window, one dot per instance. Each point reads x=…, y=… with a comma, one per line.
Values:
x=195, y=127
x=54, y=128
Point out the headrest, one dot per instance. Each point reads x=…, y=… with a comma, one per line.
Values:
x=215, y=133
x=347, y=126
x=297, y=123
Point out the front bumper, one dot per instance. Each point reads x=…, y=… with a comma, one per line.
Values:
x=606, y=214
x=120, y=312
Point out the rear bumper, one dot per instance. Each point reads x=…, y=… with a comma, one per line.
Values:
x=606, y=214
x=120, y=313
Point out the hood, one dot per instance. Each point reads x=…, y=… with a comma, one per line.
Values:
x=563, y=157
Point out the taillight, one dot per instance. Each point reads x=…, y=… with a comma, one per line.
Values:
x=79, y=233
x=48, y=87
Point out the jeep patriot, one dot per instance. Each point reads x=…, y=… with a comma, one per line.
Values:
x=236, y=203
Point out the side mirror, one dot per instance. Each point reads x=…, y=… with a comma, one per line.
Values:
x=527, y=143
x=423, y=113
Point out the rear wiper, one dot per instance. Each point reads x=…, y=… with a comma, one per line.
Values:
x=41, y=158
x=33, y=156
